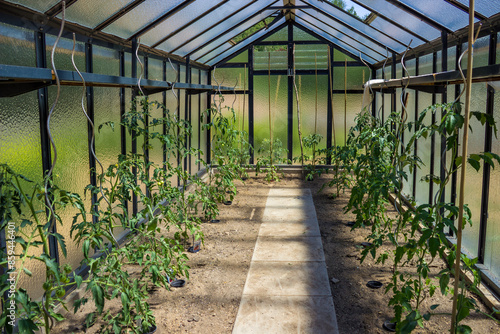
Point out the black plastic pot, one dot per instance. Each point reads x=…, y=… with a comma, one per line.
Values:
x=351, y=224
x=366, y=244
x=193, y=249
x=228, y=202
x=389, y=326
x=374, y=284
x=215, y=221
x=151, y=330
x=178, y=283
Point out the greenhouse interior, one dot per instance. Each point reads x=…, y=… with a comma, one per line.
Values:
x=259, y=166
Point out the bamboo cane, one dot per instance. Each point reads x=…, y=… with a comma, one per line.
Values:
x=345, y=103
x=298, y=116
x=270, y=118
x=468, y=87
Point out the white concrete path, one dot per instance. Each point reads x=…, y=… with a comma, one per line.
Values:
x=287, y=288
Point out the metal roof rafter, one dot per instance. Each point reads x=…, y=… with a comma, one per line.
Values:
x=57, y=8
x=118, y=14
x=175, y=32
x=211, y=27
x=229, y=29
x=414, y=34
x=162, y=18
x=465, y=9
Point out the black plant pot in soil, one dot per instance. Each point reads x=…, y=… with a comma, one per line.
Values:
x=374, y=284
x=151, y=330
x=228, y=202
x=366, y=244
x=389, y=326
x=215, y=221
x=178, y=283
x=351, y=224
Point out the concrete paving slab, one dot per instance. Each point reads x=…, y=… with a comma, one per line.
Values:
x=307, y=228
x=286, y=314
x=288, y=249
x=287, y=279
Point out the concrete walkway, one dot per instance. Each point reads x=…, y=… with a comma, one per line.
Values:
x=287, y=288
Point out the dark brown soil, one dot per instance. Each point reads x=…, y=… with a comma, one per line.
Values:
x=209, y=302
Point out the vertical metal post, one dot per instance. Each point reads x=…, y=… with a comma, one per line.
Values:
x=329, y=114
x=488, y=137
x=134, y=139
x=123, y=131
x=291, y=65
x=146, y=125
x=187, y=115
x=164, y=114
x=415, y=146
x=444, y=99
x=250, y=104
x=199, y=122
x=209, y=119
x=433, y=137
x=43, y=110
x=89, y=68
x=393, y=94
x=374, y=102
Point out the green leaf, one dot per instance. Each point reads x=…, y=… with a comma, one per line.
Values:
x=78, y=280
x=458, y=161
x=474, y=163
x=27, y=326
x=125, y=303
x=434, y=244
x=51, y=265
x=98, y=295
x=435, y=306
x=26, y=270
x=443, y=283
x=464, y=329
x=86, y=247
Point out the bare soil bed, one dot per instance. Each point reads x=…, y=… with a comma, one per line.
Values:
x=209, y=302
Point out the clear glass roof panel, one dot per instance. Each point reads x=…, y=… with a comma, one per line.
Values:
x=301, y=35
x=185, y=16
x=38, y=5
x=314, y=16
x=368, y=56
x=401, y=35
x=220, y=28
x=90, y=13
x=281, y=35
x=140, y=16
x=401, y=17
x=218, y=15
x=241, y=45
x=228, y=35
x=484, y=7
x=353, y=22
x=347, y=37
x=441, y=12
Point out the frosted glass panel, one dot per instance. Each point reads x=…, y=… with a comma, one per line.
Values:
x=280, y=35
x=90, y=13
x=69, y=128
x=492, y=256
x=20, y=149
x=354, y=77
x=474, y=180
x=195, y=123
x=187, y=15
x=301, y=35
x=39, y=5
x=425, y=64
x=309, y=57
x=139, y=17
x=279, y=58
x=105, y=60
x=62, y=56
x=17, y=46
x=156, y=147
x=309, y=116
x=346, y=114
x=230, y=77
x=241, y=58
x=155, y=69
x=481, y=50
x=424, y=148
x=278, y=109
x=410, y=114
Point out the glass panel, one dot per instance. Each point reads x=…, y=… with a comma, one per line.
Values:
x=344, y=113
x=156, y=148
x=424, y=148
x=276, y=55
x=155, y=69
x=410, y=112
x=187, y=15
x=309, y=57
x=492, y=256
x=220, y=29
x=312, y=119
x=349, y=24
x=241, y=58
x=139, y=17
x=452, y=58
x=195, y=123
x=69, y=128
x=280, y=35
x=442, y=12
x=425, y=64
x=338, y=55
x=90, y=13
x=301, y=35
x=17, y=46
x=221, y=44
x=20, y=149
x=105, y=60
x=230, y=77
x=342, y=41
x=128, y=65
x=474, y=180
x=40, y=5
x=279, y=111
x=485, y=7
x=406, y=20
x=62, y=56
x=356, y=76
